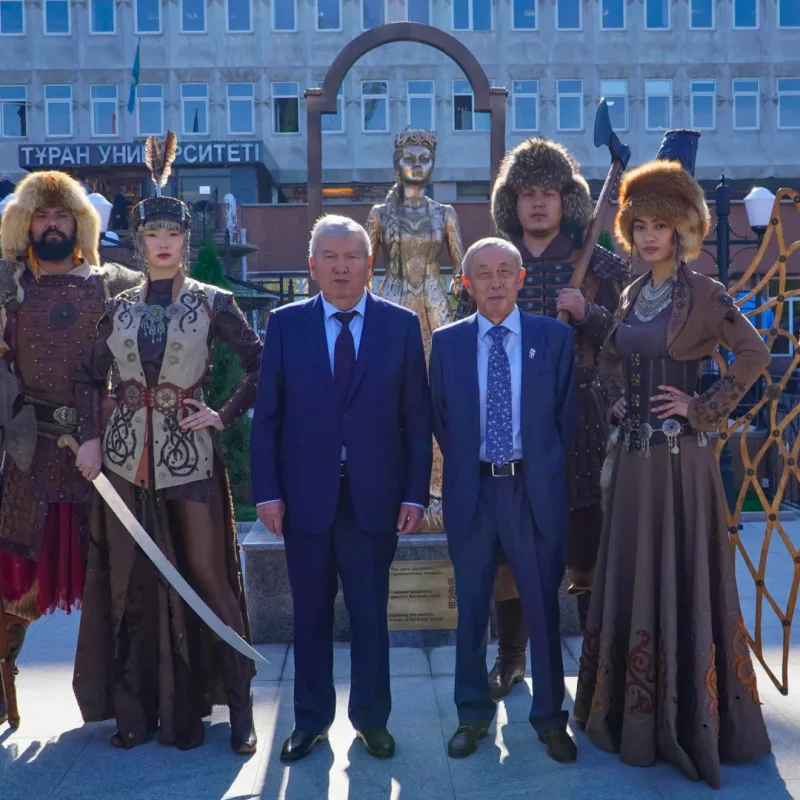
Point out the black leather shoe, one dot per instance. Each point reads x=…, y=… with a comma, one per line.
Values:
x=560, y=746
x=300, y=744
x=505, y=673
x=378, y=741
x=243, y=730
x=465, y=740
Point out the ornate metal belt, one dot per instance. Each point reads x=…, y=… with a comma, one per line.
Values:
x=642, y=436
x=48, y=414
x=164, y=397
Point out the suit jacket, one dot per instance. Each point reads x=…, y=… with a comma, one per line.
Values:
x=300, y=424
x=703, y=315
x=548, y=413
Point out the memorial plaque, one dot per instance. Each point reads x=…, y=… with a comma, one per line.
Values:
x=422, y=596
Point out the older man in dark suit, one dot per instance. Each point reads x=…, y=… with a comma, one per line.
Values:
x=341, y=460
x=504, y=413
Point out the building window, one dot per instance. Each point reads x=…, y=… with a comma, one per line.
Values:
x=746, y=104
x=421, y=108
x=329, y=15
x=194, y=108
x=285, y=108
x=56, y=17
x=525, y=99
x=788, y=103
x=241, y=108
x=58, y=110
x=745, y=14
x=704, y=105
x=103, y=16
x=374, y=106
x=373, y=13
x=616, y=96
x=193, y=16
x=465, y=118
x=658, y=98
x=789, y=13
x=104, y=110
x=570, y=105
x=148, y=16
x=151, y=109
x=657, y=15
x=284, y=15
x=524, y=15
x=418, y=11
x=12, y=18
x=334, y=123
x=613, y=15
x=240, y=16
x=701, y=15
x=472, y=15
x=13, y=112
x=569, y=15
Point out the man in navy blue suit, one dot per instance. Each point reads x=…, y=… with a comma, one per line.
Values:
x=341, y=454
x=504, y=409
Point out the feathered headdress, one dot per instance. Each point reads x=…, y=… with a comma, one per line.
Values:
x=160, y=211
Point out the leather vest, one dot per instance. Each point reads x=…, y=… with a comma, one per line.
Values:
x=55, y=325
x=543, y=283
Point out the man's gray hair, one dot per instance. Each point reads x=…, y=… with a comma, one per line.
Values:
x=483, y=244
x=337, y=225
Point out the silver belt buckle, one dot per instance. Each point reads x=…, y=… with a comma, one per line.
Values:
x=64, y=415
x=500, y=475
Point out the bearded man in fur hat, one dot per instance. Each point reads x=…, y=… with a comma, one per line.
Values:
x=52, y=294
x=542, y=204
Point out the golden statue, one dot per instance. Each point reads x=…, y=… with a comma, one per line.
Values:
x=411, y=230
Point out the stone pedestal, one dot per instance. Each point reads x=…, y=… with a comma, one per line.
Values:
x=269, y=598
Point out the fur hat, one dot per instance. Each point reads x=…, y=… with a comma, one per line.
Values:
x=40, y=189
x=665, y=190
x=541, y=162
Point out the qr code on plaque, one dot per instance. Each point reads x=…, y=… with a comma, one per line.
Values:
x=452, y=599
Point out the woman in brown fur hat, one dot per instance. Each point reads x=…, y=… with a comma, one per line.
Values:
x=665, y=670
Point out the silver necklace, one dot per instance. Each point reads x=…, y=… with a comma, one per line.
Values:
x=652, y=301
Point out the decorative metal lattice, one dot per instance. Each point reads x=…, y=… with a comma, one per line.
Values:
x=780, y=448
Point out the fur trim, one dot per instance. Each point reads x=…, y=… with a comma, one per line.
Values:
x=117, y=279
x=49, y=188
x=665, y=190
x=541, y=162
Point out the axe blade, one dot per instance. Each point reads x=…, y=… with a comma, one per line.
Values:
x=20, y=438
x=604, y=135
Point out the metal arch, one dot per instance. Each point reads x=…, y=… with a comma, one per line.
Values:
x=323, y=100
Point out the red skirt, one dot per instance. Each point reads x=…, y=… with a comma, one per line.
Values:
x=60, y=570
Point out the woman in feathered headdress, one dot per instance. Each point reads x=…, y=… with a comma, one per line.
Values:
x=160, y=670
x=665, y=670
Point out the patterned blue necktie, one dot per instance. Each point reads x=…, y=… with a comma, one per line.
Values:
x=499, y=430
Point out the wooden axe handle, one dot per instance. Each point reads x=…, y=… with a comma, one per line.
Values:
x=599, y=220
x=6, y=672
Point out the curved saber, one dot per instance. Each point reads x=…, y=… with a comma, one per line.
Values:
x=163, y=565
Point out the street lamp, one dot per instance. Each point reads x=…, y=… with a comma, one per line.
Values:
x=758, y=204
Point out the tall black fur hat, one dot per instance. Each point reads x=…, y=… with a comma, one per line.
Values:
x=541, y=162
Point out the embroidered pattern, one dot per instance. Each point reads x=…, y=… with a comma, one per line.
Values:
x=742, y=663
x=711, y=688
x=641, y=676
x=155, y=319
x=714, y=404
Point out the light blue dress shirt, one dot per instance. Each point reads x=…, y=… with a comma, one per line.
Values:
x=513, y=347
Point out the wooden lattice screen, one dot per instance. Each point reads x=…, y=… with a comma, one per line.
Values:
x=782, y=444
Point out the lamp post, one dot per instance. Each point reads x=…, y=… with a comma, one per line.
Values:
x=758, y=205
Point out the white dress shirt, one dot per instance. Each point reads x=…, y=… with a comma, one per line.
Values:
x=513, y=347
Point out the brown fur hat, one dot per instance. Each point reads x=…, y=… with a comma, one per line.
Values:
x=41, y=189
x=541, y=162
x=664, y=190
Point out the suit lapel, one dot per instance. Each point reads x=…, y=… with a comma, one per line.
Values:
x=372, y=337
x=319, y=342
x=469, y=371
x=534, y=354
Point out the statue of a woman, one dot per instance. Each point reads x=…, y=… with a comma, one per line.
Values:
x=411, y=230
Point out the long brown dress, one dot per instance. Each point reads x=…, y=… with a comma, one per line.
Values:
x=665, y=669
x=143, y=658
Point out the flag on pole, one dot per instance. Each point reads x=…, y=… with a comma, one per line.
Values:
x=134, y=82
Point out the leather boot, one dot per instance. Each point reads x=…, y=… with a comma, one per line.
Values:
x=237, y=676
x=583, y=601
x=16, y=638
x=512, y=640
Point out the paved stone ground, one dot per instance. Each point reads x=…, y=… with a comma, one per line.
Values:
x=53, y=756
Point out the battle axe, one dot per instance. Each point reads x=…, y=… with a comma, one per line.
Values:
x=620, y=155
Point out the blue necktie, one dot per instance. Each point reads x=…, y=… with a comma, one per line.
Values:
x=499, y=429
x=344, y=355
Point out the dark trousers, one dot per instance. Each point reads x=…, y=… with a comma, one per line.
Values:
x=361, y=560
x=504, y=519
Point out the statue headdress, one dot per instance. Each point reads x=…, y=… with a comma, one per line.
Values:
x=421, y=138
